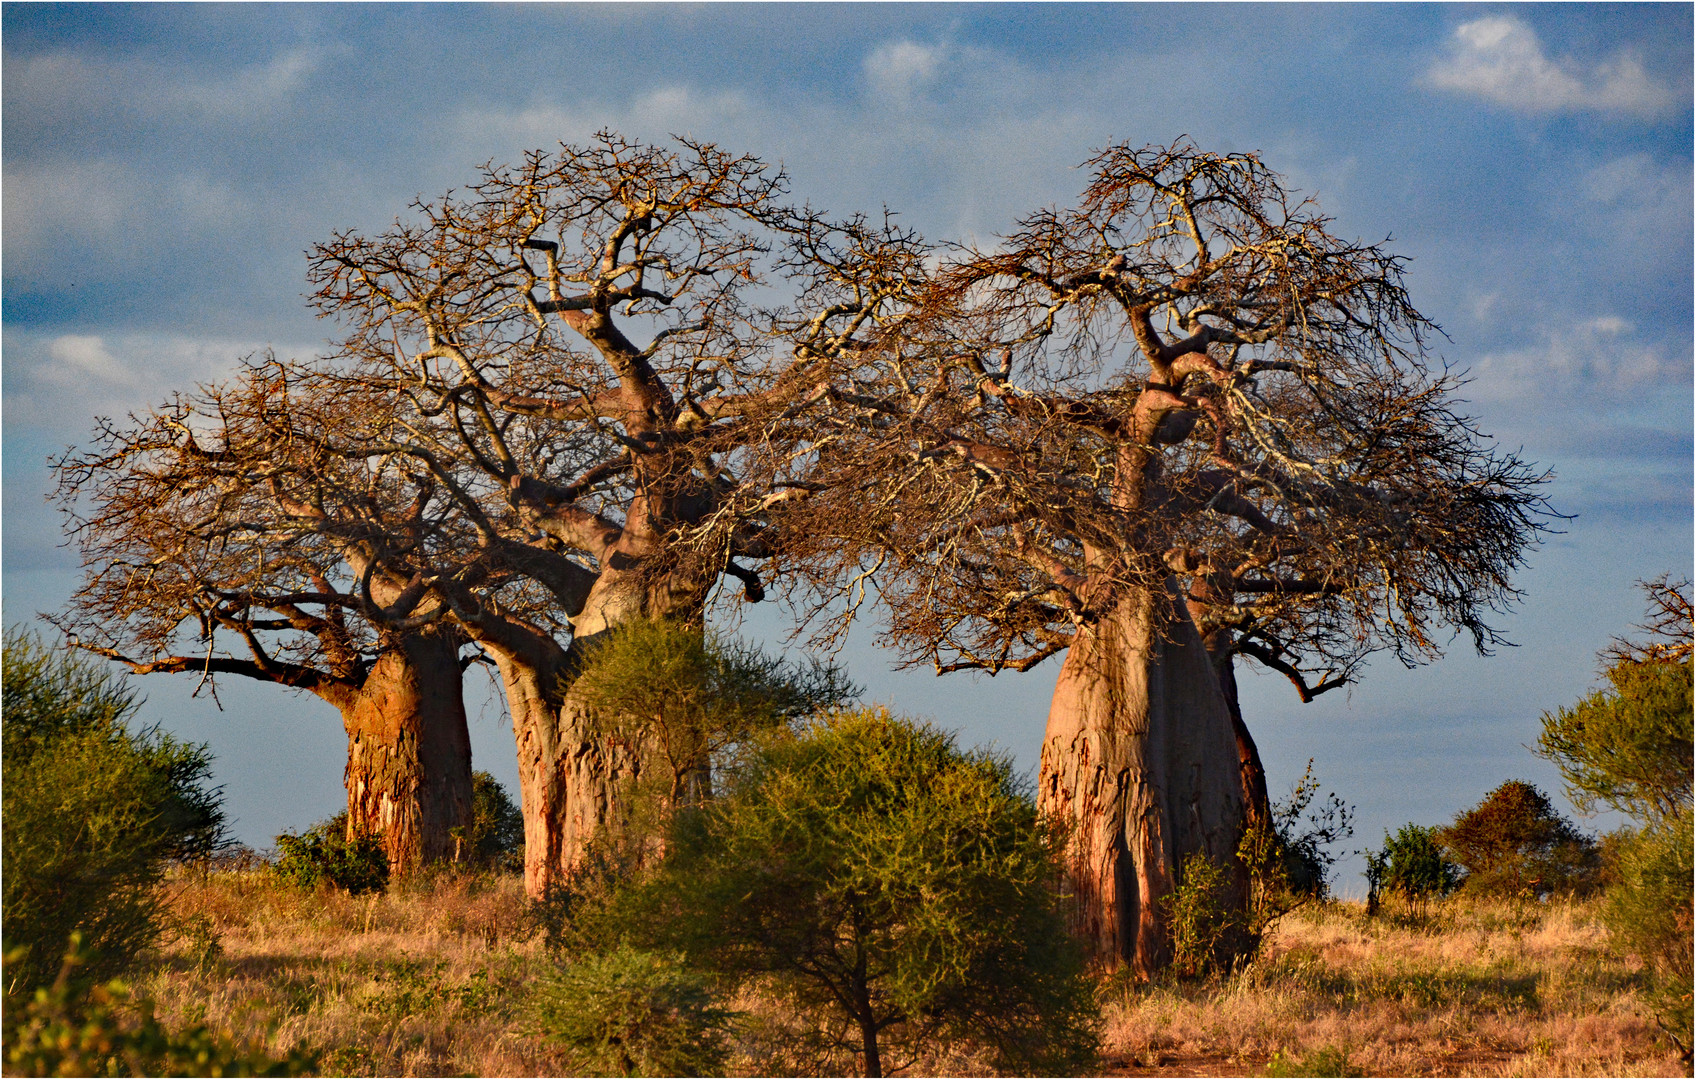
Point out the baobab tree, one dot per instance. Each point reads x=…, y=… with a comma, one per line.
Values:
x=199, y=561
x=1183, y=397
x=569, y=352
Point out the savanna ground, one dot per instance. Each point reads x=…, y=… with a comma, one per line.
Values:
x=431, y=979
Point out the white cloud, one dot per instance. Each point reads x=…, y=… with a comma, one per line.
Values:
x=655, y=114
x=1590, y=362
x=1500, y=59
x=67, y=85
x=1609, y=325
x=898, y=69
x=59, y=383
x=76, y=358
x=105, y=214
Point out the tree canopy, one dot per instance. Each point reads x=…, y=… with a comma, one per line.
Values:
x=889, y=879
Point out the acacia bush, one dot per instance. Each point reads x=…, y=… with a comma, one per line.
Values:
x=495, y=839
x=1515, y=843
x=694, y=701
x=1649, y=911
x=93, y=814
x=1628, y=746
x=78, y=1028
x=626, y=1012
x=879, y=876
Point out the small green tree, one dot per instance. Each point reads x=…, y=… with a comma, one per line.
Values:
x=1515, y=843
x=1628, y=746
x=625, y=1012
x=93, y=813
x=495, y=838
x=882, y=876
x=1411, y=865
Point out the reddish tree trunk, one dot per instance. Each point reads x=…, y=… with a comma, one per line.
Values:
x=409, y=752
x=1256, y=802
x=571, y=781
x=1140, y=761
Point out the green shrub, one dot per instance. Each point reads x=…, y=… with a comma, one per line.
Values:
x=1288, y=858
x=1649, y=912
x=1515, y=843
x=495, y=839
x=1411, y=866
x=73, y=1028
x=1200, y=918
x=92, y=812
x=326, y=854
x=1628, y=746
x=632, y=1013
x=884, y=880
x=694, y=700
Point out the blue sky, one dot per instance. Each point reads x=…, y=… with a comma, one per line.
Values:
x=165, y=168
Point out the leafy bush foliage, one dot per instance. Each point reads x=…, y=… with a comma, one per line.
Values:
x=1649, y=911
x=632, y=1013
x=1411, y=866
x=880, y=875
x=326, y=854
x=1515, y=843
x=93, y=812
x=495, y=839
x=1305, y=835
x=694, y=699
x=1200, y=918
x=73, y=1028
x=1627, y=746
x=1288, y=858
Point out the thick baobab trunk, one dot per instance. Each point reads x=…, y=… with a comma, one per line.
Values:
x=409, y=752
x=1140, y=761
x=571, y=779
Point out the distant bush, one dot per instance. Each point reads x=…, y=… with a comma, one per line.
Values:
x=325, y=854
x=1515, y=843
x=93, y=812
x=1411, y=866
x=495, y=839
x=631, y=1013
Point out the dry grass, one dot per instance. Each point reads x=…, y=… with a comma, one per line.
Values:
x=1476, y=989
x=431, y=979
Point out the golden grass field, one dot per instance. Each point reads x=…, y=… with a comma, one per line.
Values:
x=430, y=980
